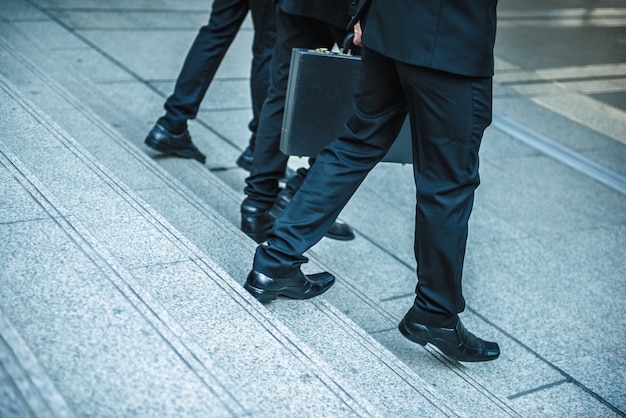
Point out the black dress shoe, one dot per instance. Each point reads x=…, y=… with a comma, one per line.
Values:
x=256, y=222
x=298, y=286
x=180, y=145
x=246, y=159
x=457, y=343
x=339, y=230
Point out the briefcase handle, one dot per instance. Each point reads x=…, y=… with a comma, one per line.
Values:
x=348, y=45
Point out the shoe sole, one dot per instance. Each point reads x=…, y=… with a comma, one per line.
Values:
x=423, y=341
x=173, y=151
x=340, y=237
x=265, y=296
x=259, y=294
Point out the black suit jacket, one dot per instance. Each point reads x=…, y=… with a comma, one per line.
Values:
x=455, y=36
x=335, y=12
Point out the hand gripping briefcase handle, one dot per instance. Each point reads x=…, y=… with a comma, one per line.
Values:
x=319, y=102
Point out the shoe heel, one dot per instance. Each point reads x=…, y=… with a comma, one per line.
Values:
x=256, y=223
x=260, y=295
x=410, y=336
x=155, y=145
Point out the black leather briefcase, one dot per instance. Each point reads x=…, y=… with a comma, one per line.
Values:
x=319, y=102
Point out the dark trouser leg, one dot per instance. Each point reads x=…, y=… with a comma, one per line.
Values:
x=339, y=169
x=449, y=114
x=203, y=59
x=269, y=162
x=264, y=18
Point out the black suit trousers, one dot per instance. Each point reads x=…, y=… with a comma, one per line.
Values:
x=207, y=52
x=448, y=114
x=262, y=186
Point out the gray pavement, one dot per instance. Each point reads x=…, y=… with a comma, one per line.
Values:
x=121, y=270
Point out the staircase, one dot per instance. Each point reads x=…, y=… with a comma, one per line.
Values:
x=121, y=270
x=111, y=310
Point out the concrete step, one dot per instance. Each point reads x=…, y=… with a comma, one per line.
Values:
x=125, y=316
x=25, y=387
x=404, y=392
